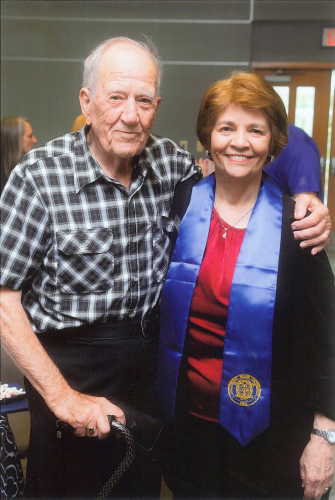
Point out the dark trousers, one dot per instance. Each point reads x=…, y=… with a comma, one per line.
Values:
x=114, y=360
x=202, y=460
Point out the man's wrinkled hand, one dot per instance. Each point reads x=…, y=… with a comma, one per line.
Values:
x=87, y=414
x=313, y=230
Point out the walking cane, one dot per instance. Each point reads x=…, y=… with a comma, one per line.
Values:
x=140, y=429
x=126, y=462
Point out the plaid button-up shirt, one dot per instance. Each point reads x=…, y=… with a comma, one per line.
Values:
x=80, y=245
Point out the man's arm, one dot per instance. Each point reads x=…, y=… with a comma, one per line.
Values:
x=314, y=229
x=22, y=345
x=295, y=196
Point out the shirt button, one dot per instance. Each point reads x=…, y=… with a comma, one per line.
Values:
x=133, y=239
x=135, y=278
x=132, y=314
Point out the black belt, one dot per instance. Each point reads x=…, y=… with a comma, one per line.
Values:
x=146, y=327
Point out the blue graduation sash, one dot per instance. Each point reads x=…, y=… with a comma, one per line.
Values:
x=246, y=376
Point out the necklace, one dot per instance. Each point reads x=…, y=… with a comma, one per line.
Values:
x=226, y=229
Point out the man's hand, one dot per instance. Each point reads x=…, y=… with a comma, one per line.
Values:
x=21, y=343
x=314, y=229
x=84, y=412
x=317, y=467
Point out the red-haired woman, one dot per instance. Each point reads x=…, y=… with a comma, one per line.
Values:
x=247, y=354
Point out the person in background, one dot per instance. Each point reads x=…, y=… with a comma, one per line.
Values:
x=17, y=139
x=207, y=166
x=297, y=169
x=246, y=370
x=85, y=249
x=78, y=123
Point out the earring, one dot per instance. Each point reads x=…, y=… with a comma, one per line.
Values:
x=208, y=154
x=272, y=158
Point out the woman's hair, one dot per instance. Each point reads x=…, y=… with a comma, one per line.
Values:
x=91, y=64
x=251, y=92
x=12, y=131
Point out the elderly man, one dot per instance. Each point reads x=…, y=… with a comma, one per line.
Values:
x=85, y=249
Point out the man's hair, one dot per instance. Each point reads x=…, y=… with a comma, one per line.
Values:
x=12, y=131
x=251, y=92
x=92, y=62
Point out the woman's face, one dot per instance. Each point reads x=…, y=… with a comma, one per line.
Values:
x=28, y=139
x=240, y=142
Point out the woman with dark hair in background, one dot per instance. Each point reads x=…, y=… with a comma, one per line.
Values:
x=246, y=366
x=17, y=139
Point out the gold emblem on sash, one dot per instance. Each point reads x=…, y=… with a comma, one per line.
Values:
x=244, y=390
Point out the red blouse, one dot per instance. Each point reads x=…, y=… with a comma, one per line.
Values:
x=208, y=317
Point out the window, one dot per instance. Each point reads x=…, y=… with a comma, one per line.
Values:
x=304, y=109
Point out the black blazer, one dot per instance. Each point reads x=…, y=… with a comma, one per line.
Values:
x=303, y=344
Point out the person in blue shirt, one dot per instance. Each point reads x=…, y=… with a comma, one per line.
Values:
x=297, y=169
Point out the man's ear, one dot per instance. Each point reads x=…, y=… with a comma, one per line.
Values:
x=85, y=100
x=159, y=100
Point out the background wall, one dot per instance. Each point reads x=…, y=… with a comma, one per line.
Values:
x=44, y=44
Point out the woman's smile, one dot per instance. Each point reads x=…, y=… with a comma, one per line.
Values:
x=238, y=158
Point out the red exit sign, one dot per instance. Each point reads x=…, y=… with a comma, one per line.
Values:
x=328, y=37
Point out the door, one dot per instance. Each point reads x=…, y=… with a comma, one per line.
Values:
x=331, y=173
x=306, y=89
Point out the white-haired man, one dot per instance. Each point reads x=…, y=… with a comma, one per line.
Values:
x=85, y=250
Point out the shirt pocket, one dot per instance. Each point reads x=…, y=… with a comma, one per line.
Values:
x=85, y=260
x=161, y=241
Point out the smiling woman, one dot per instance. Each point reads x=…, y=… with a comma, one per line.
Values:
x=250, y=323
x=242, y=122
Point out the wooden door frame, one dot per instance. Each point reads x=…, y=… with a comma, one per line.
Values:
x=299, y=67
x=298, y=71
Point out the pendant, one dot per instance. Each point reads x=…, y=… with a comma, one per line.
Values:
x=225, y=233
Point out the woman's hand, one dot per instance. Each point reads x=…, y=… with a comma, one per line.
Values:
x=314, y=229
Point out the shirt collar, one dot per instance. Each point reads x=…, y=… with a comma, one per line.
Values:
x=147, y=160
x=87, y=169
